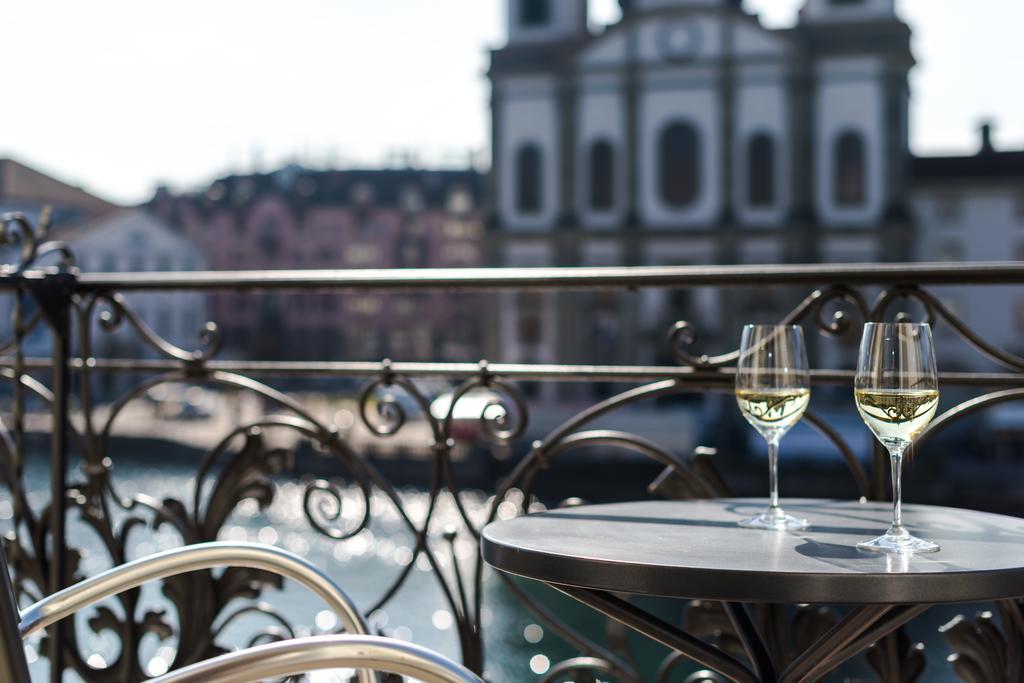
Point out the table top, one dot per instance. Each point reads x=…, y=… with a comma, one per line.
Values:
x=693, y=549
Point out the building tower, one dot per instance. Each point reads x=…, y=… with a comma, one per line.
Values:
x=858, y=111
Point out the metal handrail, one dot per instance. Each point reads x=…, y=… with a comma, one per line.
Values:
x=722, y=377
x=301, y=655
x=625, y=277
x=191, y=558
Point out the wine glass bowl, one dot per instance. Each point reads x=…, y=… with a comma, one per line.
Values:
x=773, y=389
x=897, y=393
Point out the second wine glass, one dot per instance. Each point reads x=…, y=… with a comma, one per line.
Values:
x=773, y=388
x=897, y=393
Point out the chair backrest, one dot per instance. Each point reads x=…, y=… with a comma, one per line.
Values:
x=12, y=650
x=315, y=653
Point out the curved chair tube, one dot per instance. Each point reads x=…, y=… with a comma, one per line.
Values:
x=188, y=559
x=301, y=655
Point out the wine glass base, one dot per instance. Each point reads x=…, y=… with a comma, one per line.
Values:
x=899, y=544
x=775, y=520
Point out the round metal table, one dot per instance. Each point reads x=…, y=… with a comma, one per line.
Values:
x=694, y=549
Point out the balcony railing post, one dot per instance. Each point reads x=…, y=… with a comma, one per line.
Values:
x=53, y=294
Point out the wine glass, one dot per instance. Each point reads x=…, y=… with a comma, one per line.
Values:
x=897, y=392
x=773, y=388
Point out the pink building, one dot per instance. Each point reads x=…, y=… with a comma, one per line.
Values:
x=304, y=219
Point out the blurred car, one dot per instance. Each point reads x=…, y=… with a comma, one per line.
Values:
x=181, y=402
x=471, y=408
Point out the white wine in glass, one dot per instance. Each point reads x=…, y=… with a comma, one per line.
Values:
x=773, y=388
x=897, y=393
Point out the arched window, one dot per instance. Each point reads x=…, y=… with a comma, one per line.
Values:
x=528, y=179
x=761, y=171
x=679, y=163
x=602, y=176
x=850, y=189
x=534, y=12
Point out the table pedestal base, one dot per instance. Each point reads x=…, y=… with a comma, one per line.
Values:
x=851, y=636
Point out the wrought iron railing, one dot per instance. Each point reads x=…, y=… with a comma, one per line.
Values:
x=74, y=307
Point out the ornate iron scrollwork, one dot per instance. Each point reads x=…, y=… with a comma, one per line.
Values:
x=984, y=652
x=244, y=465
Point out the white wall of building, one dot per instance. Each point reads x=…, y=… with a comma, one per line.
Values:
x=974, y=223
x=568, y=18
x=668, y=40
x=528, y=255
x=704, y=300
x=699, y=107
x=600, y=253
x=611, y=49
x=753, y=43
x=762, y=106
x=664, y=4
x=601, y=116
x=850, y=96
x=529, y=115
x=133, y=241
x=850, y=10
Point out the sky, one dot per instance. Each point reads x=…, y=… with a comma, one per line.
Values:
x=119, y=96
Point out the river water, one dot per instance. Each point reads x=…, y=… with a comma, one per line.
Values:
x=518, y=648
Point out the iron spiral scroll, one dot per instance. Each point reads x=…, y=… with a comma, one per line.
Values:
x=246, y=466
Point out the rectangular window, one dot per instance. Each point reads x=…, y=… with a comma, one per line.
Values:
x=534, y=12
x=362, y=255
x=456, y=229
x=423, y=341
x=364, y=305
x=850, y=186
x=530, y=322
x=398, y=344
x=528, y=179
x=950, y=251
x=461, y=254
x=948, y=209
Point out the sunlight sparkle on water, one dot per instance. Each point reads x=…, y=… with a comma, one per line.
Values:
x=442, y=620
x=533, y=633
x=326, y=620
x=157, y=666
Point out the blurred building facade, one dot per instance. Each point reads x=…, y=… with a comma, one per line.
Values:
x=328, y=219
x=971, y=208
x=28, y=190
x=687, y=133
x=134, y=241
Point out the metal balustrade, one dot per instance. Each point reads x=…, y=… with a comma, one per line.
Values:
x=73, y=307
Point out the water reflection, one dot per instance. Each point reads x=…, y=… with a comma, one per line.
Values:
x=364, y=565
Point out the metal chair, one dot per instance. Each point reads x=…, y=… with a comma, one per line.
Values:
x=356, y=649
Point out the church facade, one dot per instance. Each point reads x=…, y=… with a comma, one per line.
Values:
x=688, y=133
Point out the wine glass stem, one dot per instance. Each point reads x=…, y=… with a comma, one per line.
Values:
x=773, y=470
x=896, y=460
